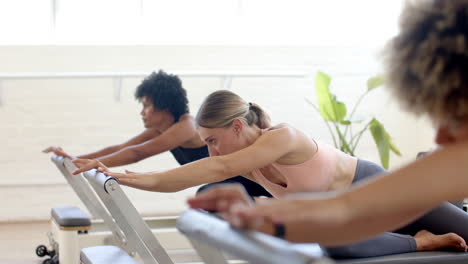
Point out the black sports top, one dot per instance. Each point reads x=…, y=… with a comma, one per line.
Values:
x=187, y=155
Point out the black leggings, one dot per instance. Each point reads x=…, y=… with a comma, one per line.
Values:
x=443, y=219
x=253, y=189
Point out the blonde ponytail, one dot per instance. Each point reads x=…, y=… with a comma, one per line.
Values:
x=221, y=108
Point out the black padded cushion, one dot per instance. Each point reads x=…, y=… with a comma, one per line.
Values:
x=427, y=257
x=70, y=216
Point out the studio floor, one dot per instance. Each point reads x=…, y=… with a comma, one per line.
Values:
x=18, y=242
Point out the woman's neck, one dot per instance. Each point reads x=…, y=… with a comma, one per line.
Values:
x=167, y=121
x=252, y=134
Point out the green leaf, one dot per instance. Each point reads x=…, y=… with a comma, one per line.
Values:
x=345, y=122
x=325, y=121
x=393, y=147
x=330, y=108
x=344, y=146
x=374, y=82
x=381, y=140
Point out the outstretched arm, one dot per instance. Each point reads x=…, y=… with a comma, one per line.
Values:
x=266, y=149
x=58, y=151
x=176, y=135
x=379, y=205
x=140, y=138
x=173, y=137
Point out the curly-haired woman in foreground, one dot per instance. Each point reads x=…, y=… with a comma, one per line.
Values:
x=427, y=68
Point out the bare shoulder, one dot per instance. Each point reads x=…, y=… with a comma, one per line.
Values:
x=280, y=125
x=183, y=130
x=283, y=129
x=287, y=130
x=300, y=146
x=187, y=119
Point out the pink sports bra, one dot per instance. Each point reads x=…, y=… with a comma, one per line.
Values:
x=314, y=175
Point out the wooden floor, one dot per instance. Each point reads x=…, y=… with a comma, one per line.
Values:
x=18, y=242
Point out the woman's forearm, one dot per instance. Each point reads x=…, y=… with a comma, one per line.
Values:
x=133, y=154
x=100, y=153
x=202, y=171
x=123, y=157
x=148, y=136
x=403, y=195
x=334, y=221
x=329, y=217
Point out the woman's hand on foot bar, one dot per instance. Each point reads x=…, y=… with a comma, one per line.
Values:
x=143, y=181
x=87, y=164
x=316, y=213
x=302, y=219
x=220, y=198
x=58, y=151
x=228, y=200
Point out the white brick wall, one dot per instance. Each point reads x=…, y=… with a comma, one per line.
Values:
x=82, y=116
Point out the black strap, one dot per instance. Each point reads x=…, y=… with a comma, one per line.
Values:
x=280, y=231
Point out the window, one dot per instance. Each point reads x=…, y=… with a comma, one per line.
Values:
x=199, y=22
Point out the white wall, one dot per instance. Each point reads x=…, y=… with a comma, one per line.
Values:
x=82, y=116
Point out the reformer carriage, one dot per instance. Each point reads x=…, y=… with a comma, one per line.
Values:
x=123, y=236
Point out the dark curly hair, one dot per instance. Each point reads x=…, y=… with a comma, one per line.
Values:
x=165, y=92
x=427, y=62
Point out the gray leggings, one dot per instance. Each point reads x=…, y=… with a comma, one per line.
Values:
x=443, y=219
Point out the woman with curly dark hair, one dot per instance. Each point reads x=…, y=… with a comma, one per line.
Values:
x=168, y=127
x=427, y=68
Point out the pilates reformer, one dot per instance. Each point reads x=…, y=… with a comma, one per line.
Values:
x=214, y=235
x=209, y=236
x=130, y=235
x=148, y=249
x=138, y=238
x=72, y=229
x=218, y=243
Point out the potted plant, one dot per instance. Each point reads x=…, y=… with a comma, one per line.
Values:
x=342, y=126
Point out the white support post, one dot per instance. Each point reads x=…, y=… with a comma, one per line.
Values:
x=142, y=8
x=240, y=7
x=53, y=14
x=227, y=82
x=118, y=81
x=1, y=93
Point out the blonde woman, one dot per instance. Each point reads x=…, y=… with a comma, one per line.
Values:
x=282, y=159
x=427, y=68
x=169, y=127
